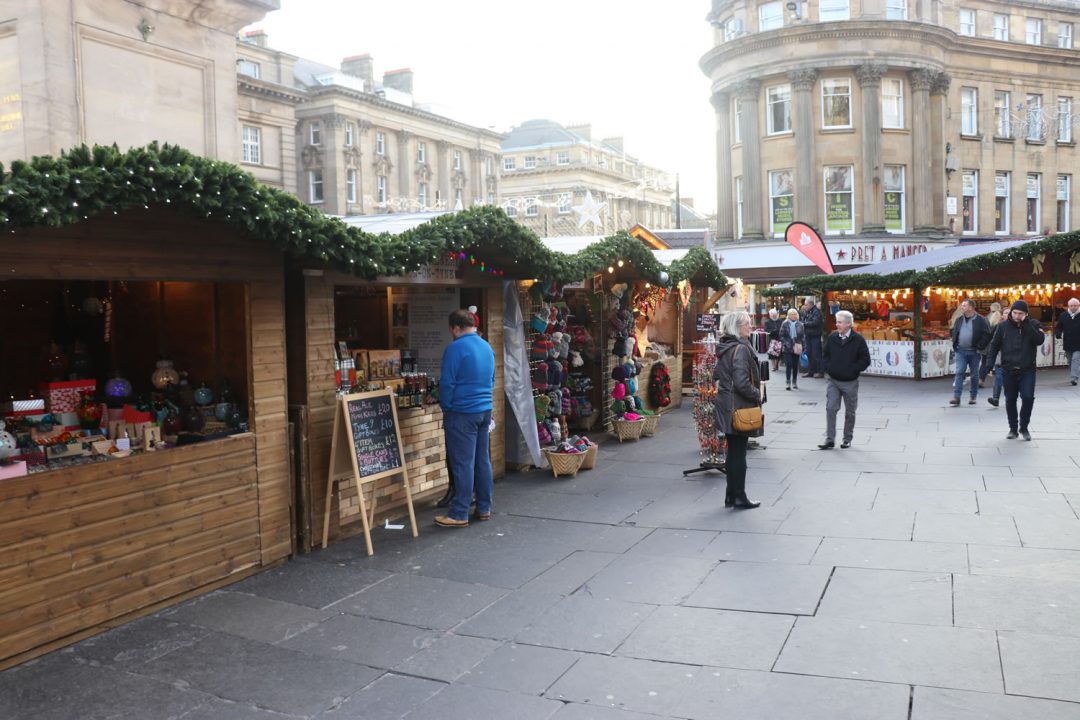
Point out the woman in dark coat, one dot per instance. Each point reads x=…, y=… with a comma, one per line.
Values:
x=772, y=327
x=738, y=385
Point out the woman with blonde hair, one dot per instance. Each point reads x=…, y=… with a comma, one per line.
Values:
x=738, y=387
x=988, y=363
x=792, y=339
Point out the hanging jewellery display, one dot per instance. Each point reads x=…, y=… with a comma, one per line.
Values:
x=711, y=441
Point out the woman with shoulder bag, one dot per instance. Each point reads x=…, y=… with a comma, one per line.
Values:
x=772, y=327
x=792, y=338
x=738, y=401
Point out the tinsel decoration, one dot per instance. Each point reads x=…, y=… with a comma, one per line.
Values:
x=660, y=386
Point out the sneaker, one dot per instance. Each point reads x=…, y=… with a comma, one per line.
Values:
x=449, y=522
x=993, y=401
x=955, y=401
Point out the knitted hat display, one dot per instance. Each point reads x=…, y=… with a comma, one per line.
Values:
x=561, y=317
x=618, y=373
x=660, y=386
x=631, y=385
x=566, y=401
x=618, y=407
x=619, y=391
x=555, y=373
x=631, y=416
x=543, y=433
x=555, y=396
x=564, y=345
x=581, y=337
x=540, y=377
x=555, y=430
x=553, y=291
x=541, y=403
x=576, y=359
x=553, y=319
x=556, y=344
x=638, y=404
x=623, y=347
x=475, y=316
x=540, y=348
x=621, y=321
x=584, y=408
x=539, y=321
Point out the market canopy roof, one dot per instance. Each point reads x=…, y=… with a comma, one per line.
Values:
x=85, y=182
x=1052, y=259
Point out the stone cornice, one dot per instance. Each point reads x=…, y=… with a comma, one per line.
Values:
x=249, y=86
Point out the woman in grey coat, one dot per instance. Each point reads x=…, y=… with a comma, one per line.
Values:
x=738, y=385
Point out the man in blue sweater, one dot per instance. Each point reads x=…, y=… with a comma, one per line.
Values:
x=466, y=386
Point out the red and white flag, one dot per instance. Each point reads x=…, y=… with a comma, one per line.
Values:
x=806, y=240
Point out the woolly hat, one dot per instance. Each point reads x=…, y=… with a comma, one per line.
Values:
x=540, y=377
x=543, y=434
x=1019, y=305
x=618, y=373
x=541, y=346
x=619, y=391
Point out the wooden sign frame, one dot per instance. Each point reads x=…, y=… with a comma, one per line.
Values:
x=343, y=465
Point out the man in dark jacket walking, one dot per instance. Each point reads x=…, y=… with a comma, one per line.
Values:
x=1068, y=330
x=1017, y=338
x=970, y=336
x=813, y=323
x=846, y=356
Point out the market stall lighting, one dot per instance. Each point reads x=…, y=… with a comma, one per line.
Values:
x=620, y=263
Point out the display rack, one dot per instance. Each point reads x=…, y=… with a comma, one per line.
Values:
x=711, y=441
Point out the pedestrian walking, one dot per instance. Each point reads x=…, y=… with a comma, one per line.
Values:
x=970, y=336
x=846, y=356
x=1017, y=339
x=813, y=323
x=988, y=363
x=792, y=339
x=466, y=386
x=772, y=327
x=738, y=388
x=1068, y=330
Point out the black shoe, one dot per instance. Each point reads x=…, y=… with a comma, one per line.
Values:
x=827, y=445
x=993, y=401
x=1012, y=435
x=971, y=401
x=788, y=387
x=845, y=445
x=1072, y=382
x=1026, y=435
x=745, y=503
x=729, y=500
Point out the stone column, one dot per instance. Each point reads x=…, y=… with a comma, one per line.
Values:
x=725, y=198
x=873, y=216
x=748, y=92
x=807, y=177
x=921, y=191
x=939, y=107
x=442, y=171
x=406, y=163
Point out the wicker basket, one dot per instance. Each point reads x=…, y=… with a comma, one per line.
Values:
x=564, y=463
x=590, y=457
x=627, y=429
x=652, y=422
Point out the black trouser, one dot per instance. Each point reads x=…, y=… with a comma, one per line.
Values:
x=735, y=464
x=1020, y=385
x=791, y=368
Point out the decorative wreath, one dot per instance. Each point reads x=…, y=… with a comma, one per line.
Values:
x=660, y=386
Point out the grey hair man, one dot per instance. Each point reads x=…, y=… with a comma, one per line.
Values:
x=846, y=356
x=1067, y=329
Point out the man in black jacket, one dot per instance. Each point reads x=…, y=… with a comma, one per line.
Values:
x=1068, y=329
x=1018, y=338
x=813, y=323
x=846, y=356
x=970, y=336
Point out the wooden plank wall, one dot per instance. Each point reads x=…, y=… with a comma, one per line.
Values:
x=89, y=545
x=428, y=474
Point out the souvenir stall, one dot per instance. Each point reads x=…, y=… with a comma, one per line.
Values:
x=905, y=308
x=144, y=456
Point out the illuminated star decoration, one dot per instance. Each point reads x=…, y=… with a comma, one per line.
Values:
x=589, y=211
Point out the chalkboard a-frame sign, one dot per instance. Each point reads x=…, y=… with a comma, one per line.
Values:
x=366, y=446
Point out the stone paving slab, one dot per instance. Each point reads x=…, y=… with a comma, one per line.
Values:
x=909, y=500
x=838, y=522
x=1024, y=604
x=1058, y=533
x=586, y=623
x=390, y=697
x=649, y=579
x=895, y=596
x=1016, y=504
x=367, y=641
x=1041, y=666
x=1025, y=562
x=460, y=701
x=427, y=602
x=975, y=529
x=959, y=658
x=938, y=704
x=756, y=547
x=762, y=587
x=248, y=616
x=622, y=683
x=307, y=582
x=526, y=669
x=935, y=557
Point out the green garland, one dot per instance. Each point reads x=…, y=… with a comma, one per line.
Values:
x=85, y=182
x=938, y=275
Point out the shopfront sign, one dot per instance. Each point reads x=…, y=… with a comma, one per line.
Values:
x=866, y=253
x=891, y=358
x=894, y=212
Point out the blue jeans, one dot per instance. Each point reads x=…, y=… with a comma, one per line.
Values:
x=966, y=358
x=999, y=381
x=1022, y=385
x=470, y=463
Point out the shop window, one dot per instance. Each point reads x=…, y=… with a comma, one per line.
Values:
x=836, y=103
x=967, y=22
x=88, y=352
x=895, y=211
x=1002, y=118
x=839, y=199
x=779, y=114
x=781, y=200
x=892, y=103
x=1034, y=210
x=770, y=16
x=1064, y=188
x=970, y=193
x=1001, y=203
x=969, y=111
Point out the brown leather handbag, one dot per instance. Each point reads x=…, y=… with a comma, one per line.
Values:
x=744, y=420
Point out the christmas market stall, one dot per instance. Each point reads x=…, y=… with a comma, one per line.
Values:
x=905, y=308
x=145, y=455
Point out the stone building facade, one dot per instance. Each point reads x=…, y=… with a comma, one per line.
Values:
x=912, y=117
x=350, y=145
x=547, y=169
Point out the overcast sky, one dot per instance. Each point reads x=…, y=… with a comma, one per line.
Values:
x=629, y=67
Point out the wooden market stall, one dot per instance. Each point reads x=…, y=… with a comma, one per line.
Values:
x=905, y=308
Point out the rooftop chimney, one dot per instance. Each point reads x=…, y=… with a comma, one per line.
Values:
x=361, y=66
x=584, y=131
x=400, y=80
x=256, y=37
x=615, y=142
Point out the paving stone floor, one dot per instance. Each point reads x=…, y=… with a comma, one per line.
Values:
x=930, y=572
